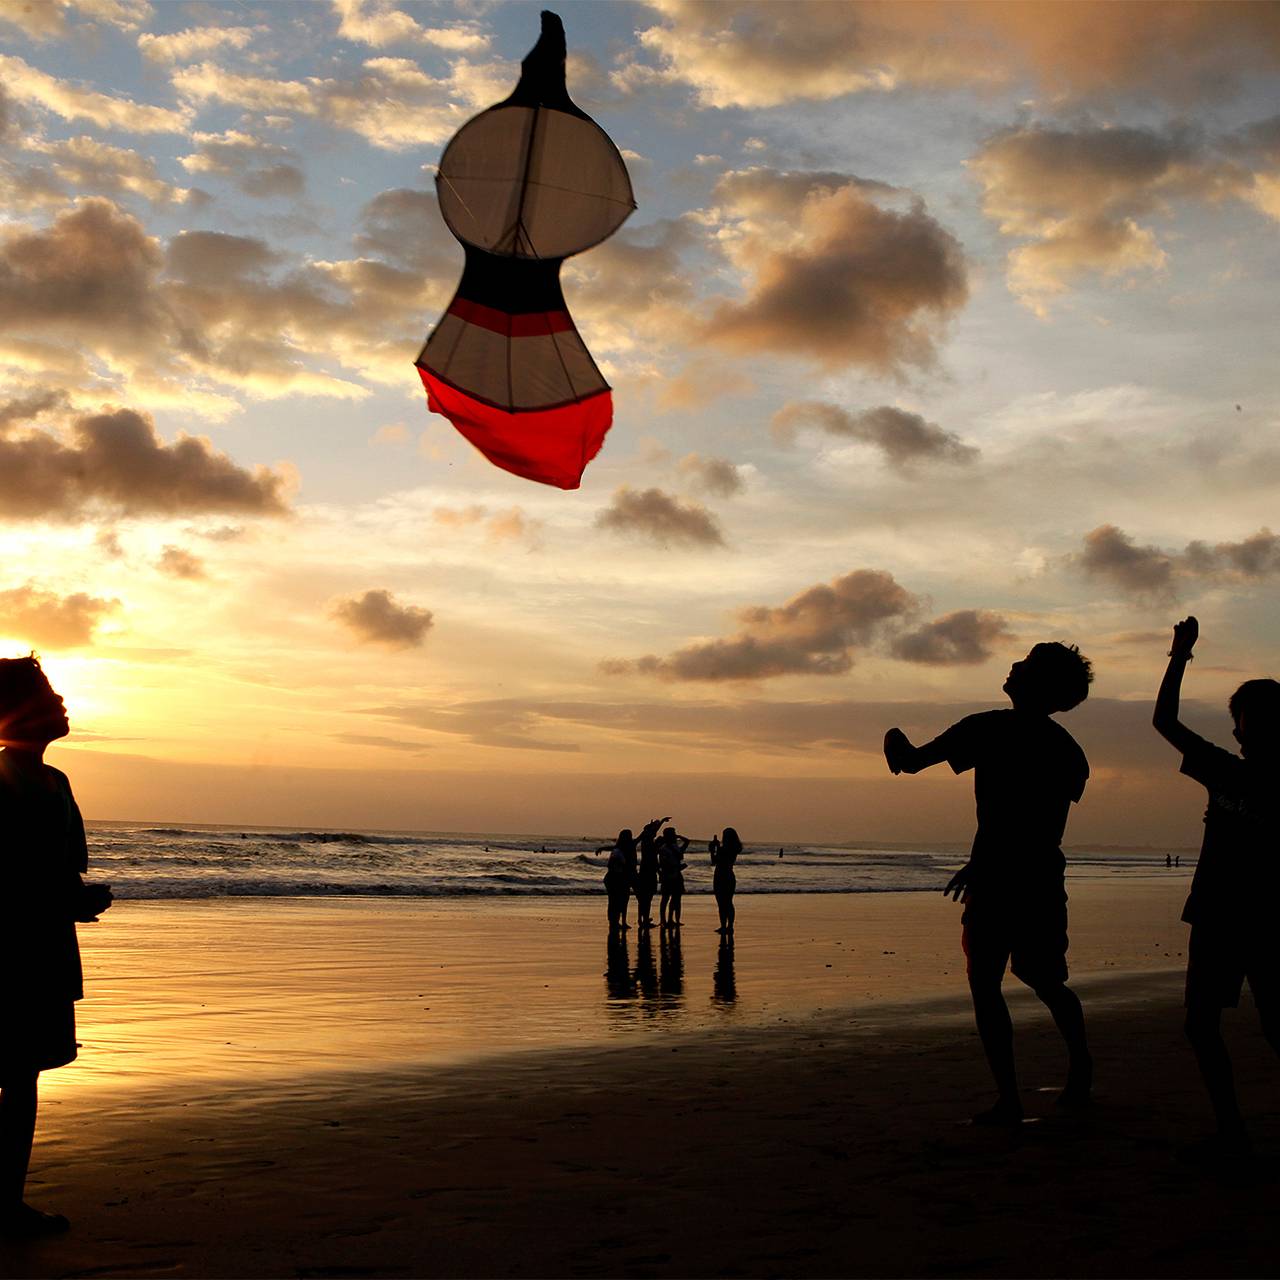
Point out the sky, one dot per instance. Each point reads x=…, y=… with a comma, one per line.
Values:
x=939, y=330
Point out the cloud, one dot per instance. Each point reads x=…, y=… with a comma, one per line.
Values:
x=115, y=461
x=25, y=83
x=45, y=19
x=963, y=638
x=393, y=105
x=194, y=42
x=377, y=23
x=713, y=475
x=177, y=562
x=209, y=306
x=257, y=167
x=656, y=516
x=836, y=269
x=45, y=620
x=83, y=164
x=814, y=633
x=511, y=525
x=741, y=53
x=26, y=409
x=1150, y=571
x=1081, y=196
x=904, y=438
x=377, y=618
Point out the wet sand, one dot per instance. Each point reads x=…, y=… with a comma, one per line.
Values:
x=363, y=1088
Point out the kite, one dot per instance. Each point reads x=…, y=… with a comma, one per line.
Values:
x=523, y=186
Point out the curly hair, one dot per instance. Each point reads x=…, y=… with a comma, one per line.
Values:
x=1257, y=698
x=1062, y=673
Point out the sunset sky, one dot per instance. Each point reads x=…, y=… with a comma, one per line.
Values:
x=939, y=330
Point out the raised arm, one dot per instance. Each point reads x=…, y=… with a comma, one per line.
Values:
x=902, y=757
x=1165, y=719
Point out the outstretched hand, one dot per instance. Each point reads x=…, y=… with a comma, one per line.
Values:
x=1185, y=635
x=896, y=745
x=958, y=882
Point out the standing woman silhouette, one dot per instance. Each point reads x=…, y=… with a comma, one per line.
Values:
x=42, y=856
x=724, y=854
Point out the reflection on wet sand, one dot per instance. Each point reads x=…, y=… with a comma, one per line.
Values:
x=724, y=986
x=649, y=990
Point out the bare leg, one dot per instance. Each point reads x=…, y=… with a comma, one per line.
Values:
x=995, y=1029
x=1204, y=1030
x=17, y=1131
x=1064, y=1004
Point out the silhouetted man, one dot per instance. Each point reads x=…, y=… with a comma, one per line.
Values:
x=42, y=855
x=1028, y=770
x=1232, y=904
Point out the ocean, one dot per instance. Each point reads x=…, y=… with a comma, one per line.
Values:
x=143, y=860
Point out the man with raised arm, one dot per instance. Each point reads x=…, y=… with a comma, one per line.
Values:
x=1231, y=907
x=1028, y=770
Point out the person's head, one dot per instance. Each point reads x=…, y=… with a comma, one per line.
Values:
x=1052, y=677
x=31, y=713
x=729, y=841
x=1255, y=707
x=625, y=838
x=669, y=834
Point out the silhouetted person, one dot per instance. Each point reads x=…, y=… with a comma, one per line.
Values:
x=647, y=872
x=617, y=877
x=724, y=855
x=724, y=989
x=1168, y=859
x=1028, y=771
x=44, y=856
x=671, y=871
x=1231, y=907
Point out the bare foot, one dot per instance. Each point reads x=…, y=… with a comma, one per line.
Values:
x=27, y=1223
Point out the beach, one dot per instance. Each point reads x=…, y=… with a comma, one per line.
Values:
x=351, y=1087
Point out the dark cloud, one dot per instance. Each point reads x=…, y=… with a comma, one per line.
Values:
x=1078, y=195
x=962, y=638
x=842, y=274
x=116, y=461
x=658, y=517
x=273, y=180
x=403, y=226
x=48, y=621
x=504, y=723
x=904, y=438
x=814, y=633
x=177, y=562
x=24, y=409
x=1112, y=554
x=256, y=167
x=377, y=618
x=377, y=740
x=717, y=476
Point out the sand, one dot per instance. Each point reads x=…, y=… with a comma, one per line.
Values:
x=354, y=1088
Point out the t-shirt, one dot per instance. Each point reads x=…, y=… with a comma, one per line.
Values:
x=1028, y=770
x=1237, y=875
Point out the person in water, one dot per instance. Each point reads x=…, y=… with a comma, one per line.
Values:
x=1231, y=907
x=724, y=854
x=1028, y=772
x=44, y=896
x=671, y=869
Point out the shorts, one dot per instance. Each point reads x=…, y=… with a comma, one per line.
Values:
x=1218, y=962
x=37, y=1038
x=1028, y=934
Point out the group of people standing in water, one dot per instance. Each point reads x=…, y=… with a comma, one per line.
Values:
x=652, y=865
